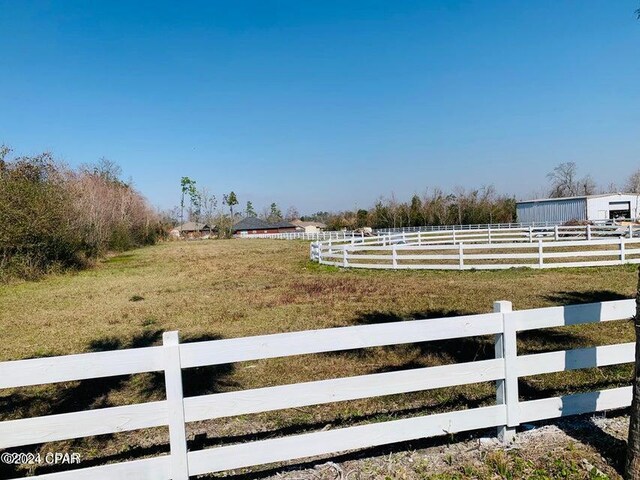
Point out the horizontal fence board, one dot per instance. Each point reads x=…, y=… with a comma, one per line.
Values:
x=556, y=407
x=156, y=468
x=340, y=389
x=217, y=352
x=571, y=315
x=601, y=356
x=36, y=371
x=64, y=426
x=345, y=439
x=601, y=263
x=583, y=253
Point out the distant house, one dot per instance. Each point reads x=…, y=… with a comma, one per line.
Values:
x=192, y=229
x=254, y=225
x=309, y=227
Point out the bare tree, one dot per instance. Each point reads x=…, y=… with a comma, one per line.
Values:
x=633, y=183
x=632, y=470
x=563, y=180
x=632, y=467
x=292, y=213
x=208, y=206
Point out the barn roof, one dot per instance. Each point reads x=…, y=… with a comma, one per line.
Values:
x=579, y=197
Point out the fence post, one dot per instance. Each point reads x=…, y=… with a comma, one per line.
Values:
x=556, y=235
x=345, y=260
x=588, y=231
x=394, y=257
x=173, y=386
x=540, y=258
x=622, y=252
x=489, y=234
x=460, y=255
x=454, y=235
x=630, y=231
x=505, y=348
x=530, y=234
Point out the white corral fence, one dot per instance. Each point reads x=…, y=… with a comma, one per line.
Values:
x=500, y=248
x=333, y=235
x=176, y=411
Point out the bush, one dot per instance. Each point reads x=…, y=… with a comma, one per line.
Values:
x=54, y=218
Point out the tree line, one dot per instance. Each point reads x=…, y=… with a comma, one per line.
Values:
x=54, y=217
x=435, y=207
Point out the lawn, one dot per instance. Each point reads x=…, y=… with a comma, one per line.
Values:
x=223, y=289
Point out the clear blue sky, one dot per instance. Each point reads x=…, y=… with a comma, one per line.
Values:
x=321, y=104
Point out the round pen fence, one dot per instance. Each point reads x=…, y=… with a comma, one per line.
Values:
x=488, y=249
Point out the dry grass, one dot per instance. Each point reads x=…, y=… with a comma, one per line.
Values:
x=222, y=289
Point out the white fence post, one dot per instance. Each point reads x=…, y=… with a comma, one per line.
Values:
x=489, y=234
x=419, y=238
x=588, y=231
x=345, y=259
x=506, y=433
x=540, y=257
x=622, y=252
x=556, y=234
x=175, y=404
x=530, y=234
x=394, y=257
x=507, y=389
x=460, y=256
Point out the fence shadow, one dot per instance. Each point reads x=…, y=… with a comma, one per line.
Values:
x=589, y=296
x=95, y=393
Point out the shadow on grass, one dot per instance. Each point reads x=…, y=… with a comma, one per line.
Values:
x=590, y=296
x=96, y=393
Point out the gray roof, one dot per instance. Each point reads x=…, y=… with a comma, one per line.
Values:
x=193, y=227
x=578, y=197
x=251, y=223
x=254, y=223
x=282, y=224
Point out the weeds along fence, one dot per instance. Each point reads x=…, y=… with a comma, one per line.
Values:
x=176, y=411
x=502, y=248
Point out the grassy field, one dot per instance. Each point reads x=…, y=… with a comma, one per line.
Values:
x=223, y=289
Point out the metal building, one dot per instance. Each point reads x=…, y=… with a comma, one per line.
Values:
x=593, y=208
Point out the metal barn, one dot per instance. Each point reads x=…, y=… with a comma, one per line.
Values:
x=593, y=208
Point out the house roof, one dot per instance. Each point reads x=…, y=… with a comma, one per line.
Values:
x=254, y=223
x=579, y=197
x=282, y=224
x=193, y=227
x=251, y=223
x=300, y=223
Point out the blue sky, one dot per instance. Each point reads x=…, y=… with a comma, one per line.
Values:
x=325, y=105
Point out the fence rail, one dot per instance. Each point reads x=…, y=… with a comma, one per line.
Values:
x=532, y=247
x=176, y=411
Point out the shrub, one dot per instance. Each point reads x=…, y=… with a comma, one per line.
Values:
x=53, y=218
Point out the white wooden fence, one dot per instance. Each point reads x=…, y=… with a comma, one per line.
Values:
x=324, y=235
x=532, y=247
x=176, y=411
